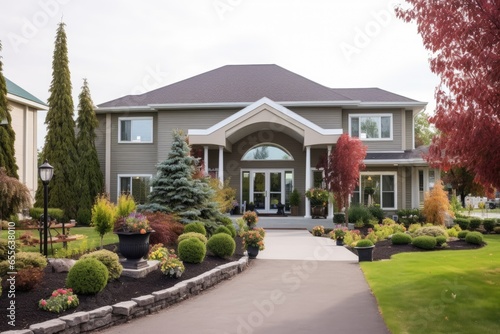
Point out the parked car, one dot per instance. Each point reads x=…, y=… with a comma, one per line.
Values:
x=493, y=203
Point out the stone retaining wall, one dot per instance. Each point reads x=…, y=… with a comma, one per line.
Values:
x=83, y=322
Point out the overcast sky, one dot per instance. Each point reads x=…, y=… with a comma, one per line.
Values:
x=129, y=47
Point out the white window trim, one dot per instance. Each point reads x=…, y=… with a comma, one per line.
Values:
x=373, y=115
x=395, y=174
x=120, y=119
x=118, y=193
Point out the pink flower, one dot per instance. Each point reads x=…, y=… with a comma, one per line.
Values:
x=43, y=302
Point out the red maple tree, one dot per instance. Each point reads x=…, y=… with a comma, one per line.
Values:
x=342, y=169
x=463, y=37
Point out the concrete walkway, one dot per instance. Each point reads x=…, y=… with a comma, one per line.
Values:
x=298, y=284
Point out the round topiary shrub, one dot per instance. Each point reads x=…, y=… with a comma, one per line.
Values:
x=462, y=222
x=189, y=235
x=424, y=242
x=496, y=229
x=401, y=239
x=432, y=231
x=440, y=240
x=475, y=238
x=110, y=260
x=232, y=229
x=226, y=221
x=192, y=250
x=364, y=243
x=221, y=245
x=87, y=276
x=222, y=229
x=197, y=227
x=489, y=224
x=475, y=223
x=462, y=234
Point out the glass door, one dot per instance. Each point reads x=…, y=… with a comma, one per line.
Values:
x=267, y=189
x=260, y=191
x=275, y=189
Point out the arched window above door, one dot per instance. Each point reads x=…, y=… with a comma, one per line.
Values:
x=267, y=152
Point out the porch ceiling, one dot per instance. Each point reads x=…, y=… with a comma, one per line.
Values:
x=259, y=116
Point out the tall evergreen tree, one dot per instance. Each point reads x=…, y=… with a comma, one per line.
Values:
x=60, y=149
x=90, y=180
x=176, y=191
x=7, y=134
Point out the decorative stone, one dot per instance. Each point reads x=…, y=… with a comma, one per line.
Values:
x=61, y=265
x=149, y=267
x=48, y=327
x=144, y=300
x=124, y=308
x=75, y=318
x=100, y=312
x=21, y=331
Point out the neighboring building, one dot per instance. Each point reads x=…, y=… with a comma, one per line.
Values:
x=23, y=110
x=265, y=128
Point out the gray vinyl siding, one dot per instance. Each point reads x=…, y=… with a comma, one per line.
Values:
x=409, y=129
x=408, y=187
x=131, y=158
x=381, y=145
x=327, y=118
x=100, y=142
x=170, y=120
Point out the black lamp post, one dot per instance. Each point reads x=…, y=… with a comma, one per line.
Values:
x=45, y=172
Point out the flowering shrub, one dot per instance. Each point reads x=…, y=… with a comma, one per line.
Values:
x=59, y=301
x=250, y=217
x=318, y=230
x=158, y=252
x=338, y=233
x=254, y=238
x=136, y=222
x=171, y=265
x=317, y=196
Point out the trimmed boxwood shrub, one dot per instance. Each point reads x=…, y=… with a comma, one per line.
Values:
x=424, y=242
x=191, y=250
x=53, y=213
x=364, y=243
x=377, y=212
x=110, y=260
x=226, y=221
x=197, y=227
x=489, y=224
x=462, y=222
x=232, y=229
x=475, y=223
x=338, y=218
x=87, y=276
x=223, y=229
x=497, y=230
x=359, y=212
x=462, y=234
x=189, y=235
x=474, y=238
x=440, y=240
x=221, y=245
x=432, y=231
x=401, y=239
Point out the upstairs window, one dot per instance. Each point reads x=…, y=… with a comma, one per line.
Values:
x=371, y=127
x=135, y=130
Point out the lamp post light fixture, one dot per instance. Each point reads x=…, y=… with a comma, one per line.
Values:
x=45, y=172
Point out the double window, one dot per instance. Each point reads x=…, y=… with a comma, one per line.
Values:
x=135, y=130
x=377, y=189
x=136, y=185
x=371, y=127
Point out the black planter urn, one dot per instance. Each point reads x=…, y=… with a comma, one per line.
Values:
x=365, y=253
x=133, y=247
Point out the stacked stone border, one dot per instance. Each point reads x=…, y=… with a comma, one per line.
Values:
x=107, y=316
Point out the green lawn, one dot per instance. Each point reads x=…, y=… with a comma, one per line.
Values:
x=89, y=240
x=439, y=292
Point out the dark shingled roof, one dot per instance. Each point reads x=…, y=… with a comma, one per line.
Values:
x=417, y=153
x=249, y=83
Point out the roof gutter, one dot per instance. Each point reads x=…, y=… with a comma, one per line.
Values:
x=27, y=102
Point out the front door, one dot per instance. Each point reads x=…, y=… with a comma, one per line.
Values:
x=267, y=188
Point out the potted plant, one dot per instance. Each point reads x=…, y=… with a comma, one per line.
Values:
x=318, y=198
x=250, y=206
x=339, y=234
x=250, y=218
x=318, y=231
x=294, y=202
x=133, y=240
x=365, y=248
x=253, y=241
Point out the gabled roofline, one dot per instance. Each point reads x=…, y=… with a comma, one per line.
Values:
x=27, y=102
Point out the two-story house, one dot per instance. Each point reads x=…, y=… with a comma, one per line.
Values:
x=265, y=128
x=23, y=107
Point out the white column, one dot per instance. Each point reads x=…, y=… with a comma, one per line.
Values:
x=308, y=180
x=330, y=201
x=221, y=164
x=107, y=168
x=205, y=159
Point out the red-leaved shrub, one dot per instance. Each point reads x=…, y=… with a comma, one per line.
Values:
x=166, y=228
x=27, y=278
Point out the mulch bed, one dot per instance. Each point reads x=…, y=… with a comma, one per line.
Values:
x=384, y=249
x=123, y=289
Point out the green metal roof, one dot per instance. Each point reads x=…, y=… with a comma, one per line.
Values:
x=14, y=89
